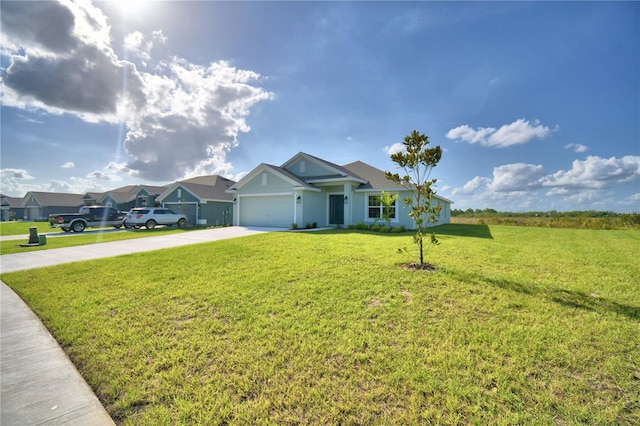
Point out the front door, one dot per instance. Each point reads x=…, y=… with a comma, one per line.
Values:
x=336, y=209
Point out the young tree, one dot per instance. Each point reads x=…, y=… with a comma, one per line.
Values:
x=418, y=160
x=388, y=201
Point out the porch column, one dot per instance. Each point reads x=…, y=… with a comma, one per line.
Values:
x=348, y=205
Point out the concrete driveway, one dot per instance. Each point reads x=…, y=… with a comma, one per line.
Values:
x=41, y=258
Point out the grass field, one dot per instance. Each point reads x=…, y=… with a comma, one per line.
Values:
x=518, y=325
x=22, y=228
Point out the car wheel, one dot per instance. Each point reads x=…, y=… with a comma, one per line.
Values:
x=150, y=224
x=182, y=223
x=78, y=226
x=117, y=226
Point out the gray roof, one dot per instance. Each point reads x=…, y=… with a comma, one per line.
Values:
x=12, y=201
x=57, y=199
x=211, y=187
x=375, y=177
x=211, y=180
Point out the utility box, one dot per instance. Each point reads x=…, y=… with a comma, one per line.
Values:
x=33, y=235
x=42, y=240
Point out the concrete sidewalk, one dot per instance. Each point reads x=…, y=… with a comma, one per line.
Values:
x=39, y=384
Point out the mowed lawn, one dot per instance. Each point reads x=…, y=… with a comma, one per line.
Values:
x=517, y=326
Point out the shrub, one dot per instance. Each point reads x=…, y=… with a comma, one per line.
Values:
x=294, y=225
x=360, y=226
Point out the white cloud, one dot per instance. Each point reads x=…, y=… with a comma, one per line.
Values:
x=182, y=118
x=576, y=147
x=21, y=174
x=99, y=175
x=596, y=173
x=587, y=185
x=395, y=148
x=519, y=132
x=516, y=177
x=68, y=165
x=472, y=186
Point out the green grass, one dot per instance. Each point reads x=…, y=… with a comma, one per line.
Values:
x=75, y=239
x=22, y=228
x=517, y=326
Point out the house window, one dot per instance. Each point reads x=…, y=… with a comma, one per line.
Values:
x=264, y=179
x=179, y=192
x=302, y=166
x=375, y=208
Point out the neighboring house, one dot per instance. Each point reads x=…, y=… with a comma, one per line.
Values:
x=307, y=190
x=202, y=199
x=130, y=196
x=11, y=208
x=91, y=198
x=39, y=205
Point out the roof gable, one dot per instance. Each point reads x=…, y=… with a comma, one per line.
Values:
x=11, y=201
x=279, y=171
x=311, y=168
x=205, y=188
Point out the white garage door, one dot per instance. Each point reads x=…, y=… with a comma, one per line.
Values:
x=266, y=211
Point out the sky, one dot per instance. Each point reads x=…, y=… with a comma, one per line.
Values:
x=535, y=104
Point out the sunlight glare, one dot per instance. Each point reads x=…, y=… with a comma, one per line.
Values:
x=132, y=7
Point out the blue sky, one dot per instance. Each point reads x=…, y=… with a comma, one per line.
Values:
x=536, y=104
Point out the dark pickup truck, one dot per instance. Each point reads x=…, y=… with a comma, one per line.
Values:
x=87, y=217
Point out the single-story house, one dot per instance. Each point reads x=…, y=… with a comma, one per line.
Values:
x=11, y=208
x=308, y=189
x=39, y=205
x=91, y=198
x=202, y=199
x=130, y=196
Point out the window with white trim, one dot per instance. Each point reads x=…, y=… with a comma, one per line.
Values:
x=375, y=208
x=264, y=179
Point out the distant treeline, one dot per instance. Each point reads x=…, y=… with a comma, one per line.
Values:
x=589, y=219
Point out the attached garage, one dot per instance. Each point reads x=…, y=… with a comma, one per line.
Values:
x=266, y=210
x=33, y=213
x=187, y=209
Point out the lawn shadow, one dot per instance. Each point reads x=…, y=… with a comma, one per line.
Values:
x=593, y=302
x=572, y=299
x=458, y=230
x=464, y=230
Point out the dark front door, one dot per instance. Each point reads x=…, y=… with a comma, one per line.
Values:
x=336, y=209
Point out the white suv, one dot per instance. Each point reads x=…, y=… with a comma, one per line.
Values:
x=152, y=216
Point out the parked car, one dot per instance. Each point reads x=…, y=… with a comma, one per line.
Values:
x=152, y=216
x=88, y=216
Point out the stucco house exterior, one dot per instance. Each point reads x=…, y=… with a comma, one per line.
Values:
x=202, y=199
x=308, y=189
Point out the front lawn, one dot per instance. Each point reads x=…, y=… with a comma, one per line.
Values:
x=517, y=326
